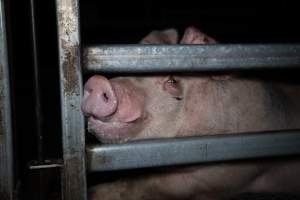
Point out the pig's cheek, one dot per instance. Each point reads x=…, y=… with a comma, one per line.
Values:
x=195, y=112
x=197, y=121
x=160, y=122
x=205, y=110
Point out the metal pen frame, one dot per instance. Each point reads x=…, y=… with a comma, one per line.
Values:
x=150, y=59
x=191, y=150
x=73, y=172
x=190, y=58
x=6, y=137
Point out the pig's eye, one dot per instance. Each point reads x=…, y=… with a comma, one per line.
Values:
x=173, y=86
x=172, y=80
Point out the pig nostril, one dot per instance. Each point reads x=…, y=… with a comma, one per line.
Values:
x=105, y=97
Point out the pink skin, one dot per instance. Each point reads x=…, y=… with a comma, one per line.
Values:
x=131, y=108
x=114, y=108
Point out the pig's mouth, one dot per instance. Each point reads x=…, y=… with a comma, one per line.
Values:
x=113, y=131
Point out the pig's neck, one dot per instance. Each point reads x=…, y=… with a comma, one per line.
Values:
x=284, y=105
x=292, y=91
x=281, y=177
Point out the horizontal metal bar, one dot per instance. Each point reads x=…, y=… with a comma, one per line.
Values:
x=191, y=150
x=45, y=164
x=190, y=58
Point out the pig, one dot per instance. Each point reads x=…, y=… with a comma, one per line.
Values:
x=176, y=105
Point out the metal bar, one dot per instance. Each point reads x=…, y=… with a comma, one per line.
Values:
x=190, y=58
x=46, y=164
x=191, y=150
x=74, y=172
x=6, y=145
x=37, y=95
x=38, y=110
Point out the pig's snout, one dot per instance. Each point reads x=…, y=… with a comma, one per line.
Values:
x=99, y=100
x=112, y=100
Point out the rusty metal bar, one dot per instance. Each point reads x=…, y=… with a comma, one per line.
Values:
x=190, y=58
x=192, y=150
x=74, y=172
x=6, y=145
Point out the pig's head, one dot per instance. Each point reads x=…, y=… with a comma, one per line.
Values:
x=129, y=108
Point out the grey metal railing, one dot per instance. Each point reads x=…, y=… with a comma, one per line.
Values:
x=192, y=150
x=149, y=59
x=73, y=178
x=190, y=58
x=6, y=146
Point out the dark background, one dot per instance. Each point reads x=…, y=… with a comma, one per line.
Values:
x=116, y=22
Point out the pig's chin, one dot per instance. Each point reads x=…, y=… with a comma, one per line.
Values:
x=112, y=132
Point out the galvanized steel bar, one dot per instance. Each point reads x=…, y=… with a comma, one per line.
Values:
x=6, y=137
x=190, y=58
x=191, y=150
x=74, y=176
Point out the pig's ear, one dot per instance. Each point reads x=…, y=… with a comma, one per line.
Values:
x=194, y=36
x=169, y=36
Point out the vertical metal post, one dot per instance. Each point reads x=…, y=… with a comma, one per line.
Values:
x=38, y=103
x=37, y=94
x=74, y=174
x=6, y=148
